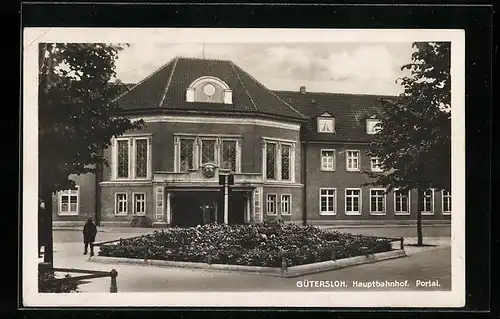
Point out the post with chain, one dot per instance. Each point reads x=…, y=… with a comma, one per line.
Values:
x=113, y=274
x=402, y=243
x=284, y=266
x=145, y=253
x=334, y=253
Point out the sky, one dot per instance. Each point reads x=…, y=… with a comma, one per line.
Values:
x=360, y=68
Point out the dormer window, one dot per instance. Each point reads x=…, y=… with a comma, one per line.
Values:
x=372, y=126
x=208, y=89
x=326, y=123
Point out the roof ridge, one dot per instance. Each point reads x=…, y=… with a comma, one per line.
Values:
x=196, y=58
x=143, y=80
x=169, y=81
x=270, y=91
x=243, y=85
x=337, y=93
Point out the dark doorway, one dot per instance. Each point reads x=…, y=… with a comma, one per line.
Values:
x=237, y=208
x=193, y=208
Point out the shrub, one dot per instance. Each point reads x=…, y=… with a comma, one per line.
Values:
x=141, y=221
x=47, y=283
x=254, y=245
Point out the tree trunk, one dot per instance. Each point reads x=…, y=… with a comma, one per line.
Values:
x=48, y=255
x=419, y=219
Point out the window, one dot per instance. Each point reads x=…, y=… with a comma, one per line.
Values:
x=352, y=201
x=377, y=201
x=327, y=201
x=285, y=162
x=69, y=201
x=207, y=151
x=141, y=158
x=139, y=204
x=286, y=201
x=123, y=158
x=326, y=125
x=121, y=204
x=327, y=160
x=271, y=204
x=446, y=202
x=270, y=160
x=278, y=160
x=209, y=89
x=375, y=164
x=131, y=158
x=186, y=154
x=427, y=202
x=352, y=160
x=372, y=126
x=401, y=202
x=229, y=155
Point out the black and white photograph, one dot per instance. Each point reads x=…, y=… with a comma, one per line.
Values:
x=243, y=167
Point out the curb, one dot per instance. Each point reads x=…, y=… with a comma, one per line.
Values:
x=269, y=271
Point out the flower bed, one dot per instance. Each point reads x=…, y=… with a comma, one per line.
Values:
x=250, y=245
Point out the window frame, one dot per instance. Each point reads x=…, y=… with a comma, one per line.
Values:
x=325, y=118
x=373, y=131
x=431, y=212
x=384, y=201
x=134, y=201
x=408, y=203
x=278, y=143
x=132, y=157
x=289, y=212
x=275, y=213
x=335, y=199
x=372, y=167
x=359, y=196
x=148, y=157
x=117, y=213
x=334, y=161
x=347, y=161
x=68, y=193
x=237, y=141
x=445, y=212
x=200, y=157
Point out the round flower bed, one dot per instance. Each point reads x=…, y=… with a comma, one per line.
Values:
x=250, y=245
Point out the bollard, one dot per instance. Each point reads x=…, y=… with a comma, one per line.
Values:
x=113, y=287
x=402, y=243
x=284, y=267
x=334, y=253
x=145, y=253
x=209, y=259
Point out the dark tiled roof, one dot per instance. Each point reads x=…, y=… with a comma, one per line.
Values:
x=166, y=89
x=350, y=112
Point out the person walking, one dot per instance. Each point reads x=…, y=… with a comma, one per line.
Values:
x=89, y=233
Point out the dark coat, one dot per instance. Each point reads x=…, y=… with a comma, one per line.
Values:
x=89, y=232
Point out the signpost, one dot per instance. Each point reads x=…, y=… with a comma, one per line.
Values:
x=225, y=181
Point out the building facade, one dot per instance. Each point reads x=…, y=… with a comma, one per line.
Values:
x=296, y=156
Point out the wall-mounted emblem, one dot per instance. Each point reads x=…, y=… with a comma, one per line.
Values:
x=208, y=170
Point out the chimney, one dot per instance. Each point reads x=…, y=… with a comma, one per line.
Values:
x=302, y=89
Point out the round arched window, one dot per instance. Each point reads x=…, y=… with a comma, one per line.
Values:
x=209, y=89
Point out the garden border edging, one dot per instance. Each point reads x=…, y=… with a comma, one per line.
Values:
x=292, y=271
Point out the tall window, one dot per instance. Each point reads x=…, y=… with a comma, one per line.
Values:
x=141, y=158
x=352, y=160
x=285, y=162
x=121, y=204
x=139, y=204
x=327, y=201
x=207, y=151
x=229, y=155
x=186, y=154
x=286, y=201
x=271, y=204
x=270, y=160
x=446, y=202
x=375, y=164
x=122, y=158
x=377, y=201
x=69, y=201
x=352, y=201
x=278, y=160
x=131, y=157
x=327, y=160
x=427, y=198
x=401, y=202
